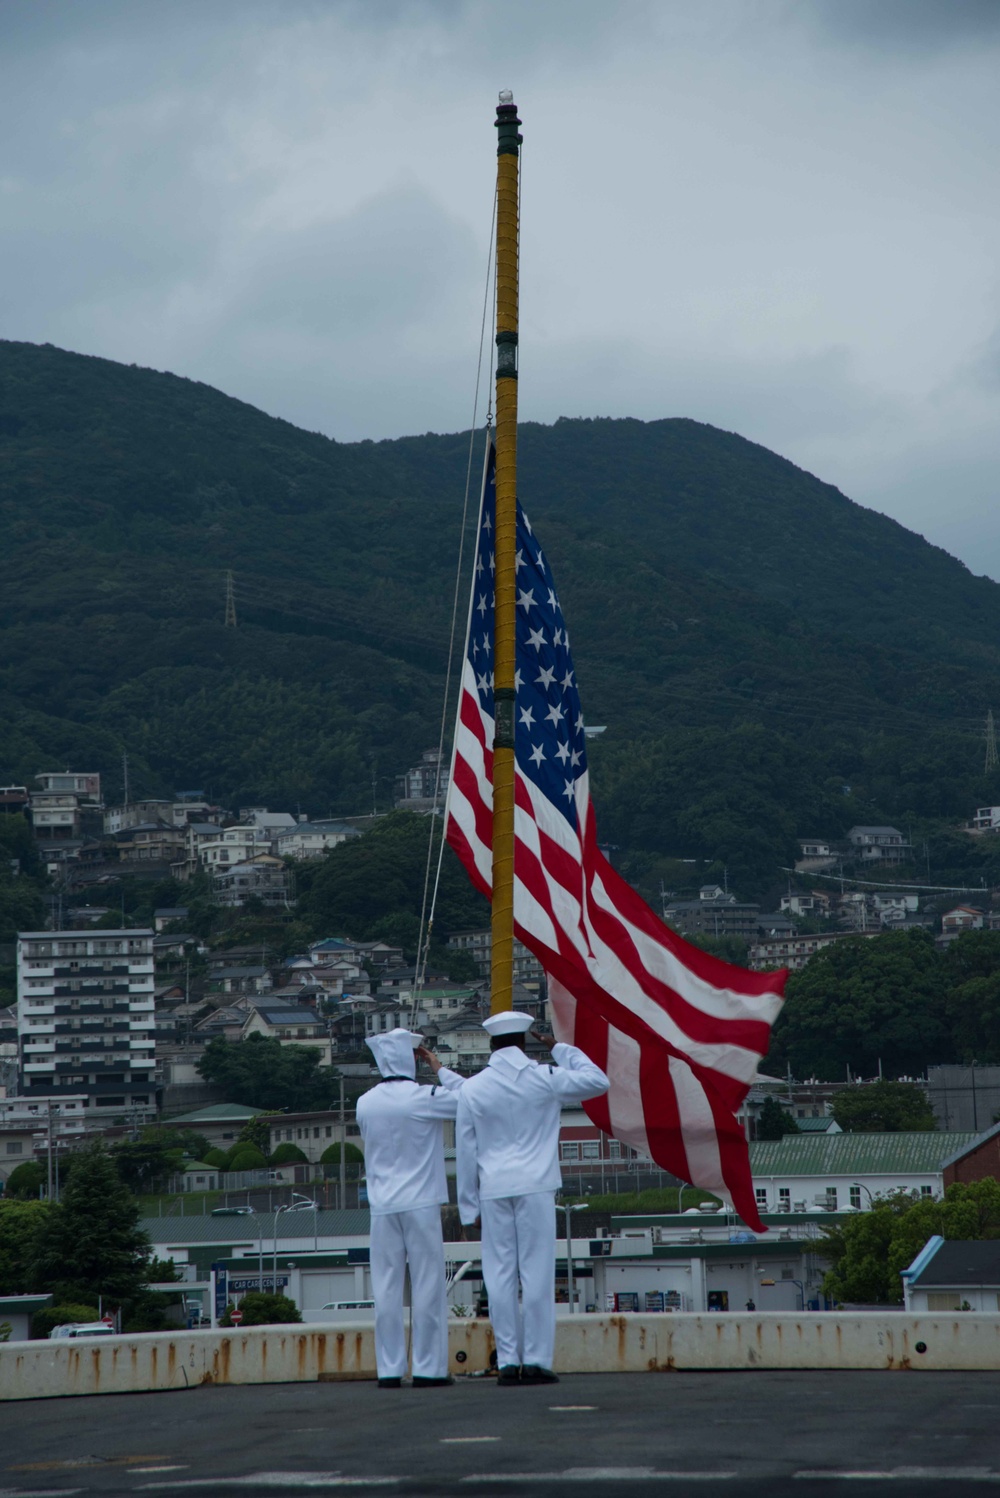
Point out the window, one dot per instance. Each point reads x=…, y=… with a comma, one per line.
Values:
x=569, y=1151
x=944, y=1300
x=784, y=1193
x=856, y=1198
x=760, y=1195
x=592, y=1149
x=614, y=1149
x=14, y=1147
x=927, y=1191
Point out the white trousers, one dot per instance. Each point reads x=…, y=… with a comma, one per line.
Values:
x=398, y=1238
x=519, y=1242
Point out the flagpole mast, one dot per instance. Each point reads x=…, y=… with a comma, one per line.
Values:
x=505, y=538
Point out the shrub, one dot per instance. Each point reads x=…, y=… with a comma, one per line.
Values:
x=43, y=1321
x=246, y=1157
x=26, y=1179
x=261, y=1308
x=331, y=1155
x=216, y=1158
x=288, y=1154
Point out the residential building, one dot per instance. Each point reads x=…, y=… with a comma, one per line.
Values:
x=712, y=916
x=14, y=798
x=314, y=1132
x=135, y=814
x=419, y=788
x=815, y=903
x=85, y=1016
x=216, y=848
x=527, y=969
x=879, y=845
x=953, y=1276
x=270, y=823
x=290, y=1024
x=169, y=916
x=802, y=1171
x=64, y=811
x=961, y=918
x=986, y=819
x=261, y=878
x=311, y=839
x=221, y=1123
x=815, y=855
x=795, y=951
x=147, y=843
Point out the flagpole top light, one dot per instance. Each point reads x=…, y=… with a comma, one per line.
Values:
x=506, y=96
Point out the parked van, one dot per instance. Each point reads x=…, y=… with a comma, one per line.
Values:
x=82, y=1329
x=349, y=1305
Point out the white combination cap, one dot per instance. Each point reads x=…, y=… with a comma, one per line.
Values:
x=393, y=1052
x=508, y=1022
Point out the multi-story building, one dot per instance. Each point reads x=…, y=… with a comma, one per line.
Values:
x=262, y=878
x=527, y=968
x=64, y=811
x=795, y=951
x=879, y=845
x=726, y=916
x=425, y=785
x=85, y=1016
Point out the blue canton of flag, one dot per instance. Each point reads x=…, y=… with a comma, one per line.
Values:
x=549, y=737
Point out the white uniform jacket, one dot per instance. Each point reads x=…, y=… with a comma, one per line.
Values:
x=507, y=1134
x=401, y=1124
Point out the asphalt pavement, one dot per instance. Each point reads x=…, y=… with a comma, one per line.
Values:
x=751, y=1433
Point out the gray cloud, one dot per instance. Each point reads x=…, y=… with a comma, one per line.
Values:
x=777, y=218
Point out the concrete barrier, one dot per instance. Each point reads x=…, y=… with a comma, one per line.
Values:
x=585, y=1344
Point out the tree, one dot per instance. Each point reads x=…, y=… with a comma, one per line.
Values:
x=257, y=1131
x=775, y=1121
x=156, y=1153
x=260, y=1072
x=861, y=1002
x=23, y=1228
x=869, y=1250
x=26, y=1180
x=43, y=1321
x=93, y=1245
x=288, y=1154
x=883, y=1108
x=246, y=1157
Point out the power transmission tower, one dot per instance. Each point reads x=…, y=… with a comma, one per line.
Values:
x=992, y=760
x=230, y=602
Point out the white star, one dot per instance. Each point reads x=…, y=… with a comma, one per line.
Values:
x=517, y=679
x=479, y=566
x=557, y=637
x=579, y=724
x=518, y=560
x=475, y=648
x=527, y=523
x=486, y=522
x=575, y=758
x=545, y=676
x=481, y=605
x=536, y=638
x=566, y=638
x=492, y=681
x=568, y=792
x=555, y=714
x=567, y=681
x=541, y=562
x=527, y=717
x=483, y=683
x=526, y=599
x=553, y=600
x=537, y=754
x=493, y=561
x=562, y=753
x=486, y=644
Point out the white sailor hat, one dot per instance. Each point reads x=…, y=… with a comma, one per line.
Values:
x=508, y=1022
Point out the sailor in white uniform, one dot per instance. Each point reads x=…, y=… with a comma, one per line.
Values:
x=507, y=1139
x=402, y=1125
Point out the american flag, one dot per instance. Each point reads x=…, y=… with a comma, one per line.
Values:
x=680, y=1033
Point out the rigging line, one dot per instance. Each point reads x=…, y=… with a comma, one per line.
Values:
x=424, y=932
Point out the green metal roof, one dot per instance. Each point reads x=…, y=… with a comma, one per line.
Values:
x=815, y=1125
x=854, y=1154
x=217, y=1113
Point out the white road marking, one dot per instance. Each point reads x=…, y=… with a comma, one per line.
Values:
x=466, y=1440
x=905, y=1474
x=598, y=1474
x=164, y=1467
x=560, y=1408
x=274, y=1480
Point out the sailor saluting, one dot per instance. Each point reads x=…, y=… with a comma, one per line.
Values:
x=507, y=1139
x=402, y=1125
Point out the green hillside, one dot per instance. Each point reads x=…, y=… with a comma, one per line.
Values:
x=754, y=641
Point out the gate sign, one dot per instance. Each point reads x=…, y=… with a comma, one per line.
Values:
x=221, y=1289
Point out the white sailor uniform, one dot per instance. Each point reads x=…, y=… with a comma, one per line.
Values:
x=402, y=1126
x=508, y=1173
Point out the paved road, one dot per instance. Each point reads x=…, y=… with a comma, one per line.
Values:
x=706, y=1433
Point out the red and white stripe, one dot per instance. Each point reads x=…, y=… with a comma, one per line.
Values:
x=680, y=1033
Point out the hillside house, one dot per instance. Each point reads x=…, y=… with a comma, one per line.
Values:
x=879, y=845
x=290, y=1025
x=312, y=839
x=421, y=786
x=986, y=819
x=261, y=878
x=962, y=918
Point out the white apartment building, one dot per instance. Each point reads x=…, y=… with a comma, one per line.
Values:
x=85, y=1016
x=527, y=968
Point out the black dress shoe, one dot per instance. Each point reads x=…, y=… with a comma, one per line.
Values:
x=390, y=1383
x=510, y=1374
x=431, y=1383
x=532, y=1374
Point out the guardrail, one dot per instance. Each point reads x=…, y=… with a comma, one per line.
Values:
x=632, y=1343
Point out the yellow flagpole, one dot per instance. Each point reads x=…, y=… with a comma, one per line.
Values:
x=505, y=538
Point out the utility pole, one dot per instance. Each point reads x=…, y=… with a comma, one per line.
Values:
x=230, y=603
x=992, y=761
x=125, y=777
x=343, y=1149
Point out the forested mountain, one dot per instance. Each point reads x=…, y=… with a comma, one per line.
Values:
x=770, y=658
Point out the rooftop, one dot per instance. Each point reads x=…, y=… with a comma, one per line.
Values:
x=960, y=1263
x=855, y=1154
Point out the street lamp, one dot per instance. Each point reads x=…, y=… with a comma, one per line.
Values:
x=569, y=1207
x=860, y=1186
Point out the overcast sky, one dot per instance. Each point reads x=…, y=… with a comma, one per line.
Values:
x=778, y=216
